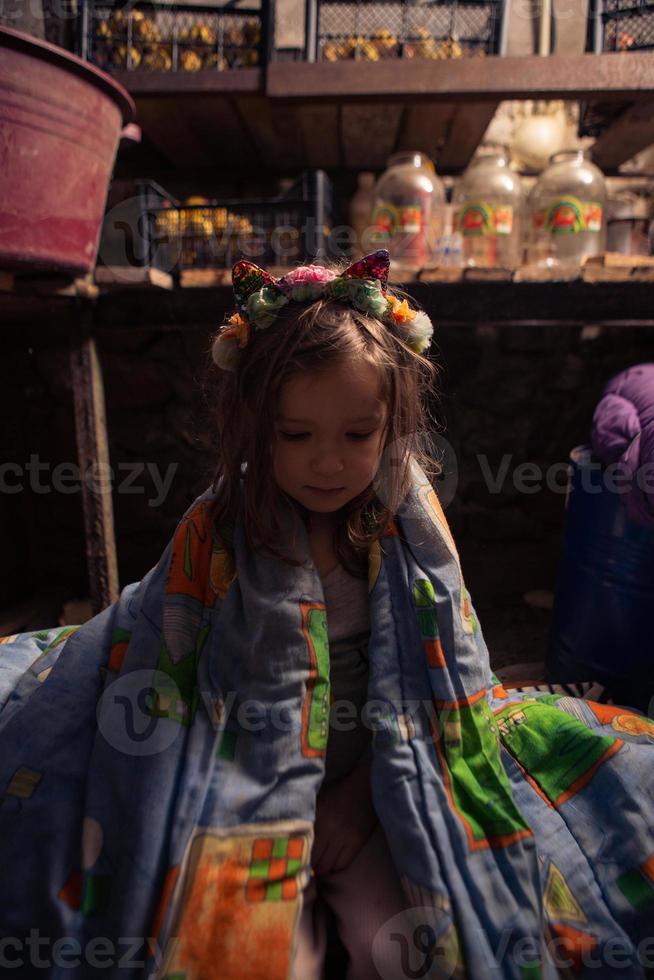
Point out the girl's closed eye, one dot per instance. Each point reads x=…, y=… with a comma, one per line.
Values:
x=295, y=436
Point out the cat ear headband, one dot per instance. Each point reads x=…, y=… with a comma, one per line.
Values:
x=260, y=297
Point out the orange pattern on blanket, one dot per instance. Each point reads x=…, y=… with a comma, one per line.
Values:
x=219, y=914
x=571, y=946
x=621, y=719
x=200, y=566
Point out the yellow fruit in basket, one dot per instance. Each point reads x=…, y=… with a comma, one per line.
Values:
x=120, y=56
x=252, y=32
x=190, y=60
x=196, y=200
x=202, y=34
x=145, y=28
x=350, y=46
x=215, y=61
x=448, y=49
x=367, y=50
x=157, y=58
x=426, y=47
x=385, y=43
x=151, y=32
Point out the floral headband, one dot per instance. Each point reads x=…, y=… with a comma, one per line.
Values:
x=260, y=297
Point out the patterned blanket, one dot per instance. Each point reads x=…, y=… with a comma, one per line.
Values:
x=160, y=766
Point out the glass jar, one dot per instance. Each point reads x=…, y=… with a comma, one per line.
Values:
x=567, y=211
x=408, y=211
x=488, y=203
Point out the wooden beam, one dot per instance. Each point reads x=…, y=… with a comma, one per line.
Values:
x=93, y=456
x=368, y=135
x=274, y=130
x=467, y=301
x=627, y=135
x=622, y=75
x=232, y=82
x=222, y=129
x=425, y=127
x=319, y=128
x=172, y=130
x=465, y=133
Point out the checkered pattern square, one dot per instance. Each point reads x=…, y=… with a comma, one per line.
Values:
x=274, y=866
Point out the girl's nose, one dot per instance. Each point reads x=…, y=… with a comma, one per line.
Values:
x=327, y=464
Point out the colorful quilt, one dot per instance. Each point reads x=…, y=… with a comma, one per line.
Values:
x=160, y=765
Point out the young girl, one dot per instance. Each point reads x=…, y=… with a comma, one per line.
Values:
x=327, y=393
x=294, y=710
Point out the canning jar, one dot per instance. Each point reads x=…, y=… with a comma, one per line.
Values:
x=567, y=211
x=488, y=203
x=408, y=211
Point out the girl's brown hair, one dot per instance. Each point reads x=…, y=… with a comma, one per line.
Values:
x=243, y=407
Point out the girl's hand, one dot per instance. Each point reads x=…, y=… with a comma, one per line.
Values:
x=345, y=819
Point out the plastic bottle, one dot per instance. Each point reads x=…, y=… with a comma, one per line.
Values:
x=567, y=211
x=361, y=208
x=408, y=211
x=488, y=204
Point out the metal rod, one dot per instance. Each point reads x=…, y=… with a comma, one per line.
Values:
x=504, y=28
x=545, y=28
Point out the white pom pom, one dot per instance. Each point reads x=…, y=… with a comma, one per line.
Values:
x=419, y=332
x=225, y=353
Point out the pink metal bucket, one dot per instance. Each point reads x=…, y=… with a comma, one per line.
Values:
x=60, y=123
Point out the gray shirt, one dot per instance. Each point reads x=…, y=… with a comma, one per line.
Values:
x=348, y=631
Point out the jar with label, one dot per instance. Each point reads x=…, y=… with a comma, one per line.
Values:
x=567, y=211
x=408, y=211
x=488, y=203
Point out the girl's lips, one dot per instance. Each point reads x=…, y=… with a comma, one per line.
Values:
x=330, y=490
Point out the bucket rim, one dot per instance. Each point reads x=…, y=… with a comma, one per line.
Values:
x=35, y=46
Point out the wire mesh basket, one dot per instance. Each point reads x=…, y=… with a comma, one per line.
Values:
x=362, y=30
x=625, y=25
x=130, y=237
x=283, y=231
x=171, y=37
x=614, y=25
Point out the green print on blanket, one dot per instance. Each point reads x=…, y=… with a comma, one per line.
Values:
x=43, y=635
x=176, y=696
x=554, y=748
x=316, y=731
x=480, y=788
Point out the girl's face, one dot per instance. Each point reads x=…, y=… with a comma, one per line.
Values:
x=329, y=433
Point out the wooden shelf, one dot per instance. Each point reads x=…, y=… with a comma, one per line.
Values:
x=611, y=289
x=621, y=76
x=501, y=302
x=295, y=115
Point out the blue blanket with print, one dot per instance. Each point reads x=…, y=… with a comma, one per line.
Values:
x=160, y=766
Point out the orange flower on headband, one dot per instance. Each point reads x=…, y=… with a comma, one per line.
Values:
x=402, y=312
x=239, y=330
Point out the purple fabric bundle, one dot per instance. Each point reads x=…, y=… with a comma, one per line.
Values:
x=623, y=432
